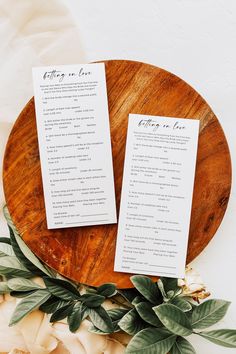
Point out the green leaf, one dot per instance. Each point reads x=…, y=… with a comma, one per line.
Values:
x=8, y=218
x=223, y=337
x=28, y=304
x=101, y=319
x=85, y=311
x=170, y=294
x=62, y=289
x=209, y=313
x=182, y=304
x=116, y=315
x=137, y=300
x=107, y=290
x=128, y=294
x=5, y=240
x=21, y=284
x=77, y=315
x=146, y=312
x=147, y=288
x=91, y=290
x=162, y=289
x=170, y=284
x=62, y=312
x=174, y=319
x=151, y=341
x=182, y=346
x=92, y=300
x=132, y=323
x=6, y=250
x=52, y=304
x=20, y=256
x=96, y=330
x=20, y=294
x=10, y=266
x=4, y=289
x=26, y=256
x=22, y=252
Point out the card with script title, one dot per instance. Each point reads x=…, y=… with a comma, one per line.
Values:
x=156, y=195
x=74, y=145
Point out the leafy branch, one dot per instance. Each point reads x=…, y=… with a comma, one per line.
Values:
x=156, y=314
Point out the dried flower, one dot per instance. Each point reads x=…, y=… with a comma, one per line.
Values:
x=192, y=285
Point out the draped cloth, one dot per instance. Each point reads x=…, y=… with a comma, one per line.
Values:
x=34, y=33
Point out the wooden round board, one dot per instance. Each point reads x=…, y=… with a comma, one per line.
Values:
x=86, y=254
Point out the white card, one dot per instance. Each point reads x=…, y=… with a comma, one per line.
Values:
x=74, y=145
x=156, y=195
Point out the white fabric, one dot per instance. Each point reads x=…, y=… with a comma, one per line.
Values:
x=34, y=334
x=32, y=32
x=36, y=32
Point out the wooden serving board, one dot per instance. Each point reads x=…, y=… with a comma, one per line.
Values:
x=86, y=254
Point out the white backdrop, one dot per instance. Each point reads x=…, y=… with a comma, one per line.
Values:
x=196, y=40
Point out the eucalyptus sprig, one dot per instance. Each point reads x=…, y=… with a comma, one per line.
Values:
x=156, y=314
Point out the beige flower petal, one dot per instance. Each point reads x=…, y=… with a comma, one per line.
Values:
x=200, y=295
x=29, y=326
x=45, y=337
x=10, y=337
x=70, y=341
x=114, y=347
x=92, y=342
x=192, y=285
x=38, y=349
x=193, y=280
x=37, y=333
x=181, y=282
x=60, y=349
x=121, y=337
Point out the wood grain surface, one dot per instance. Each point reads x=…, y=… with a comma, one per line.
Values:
x=86, y=254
